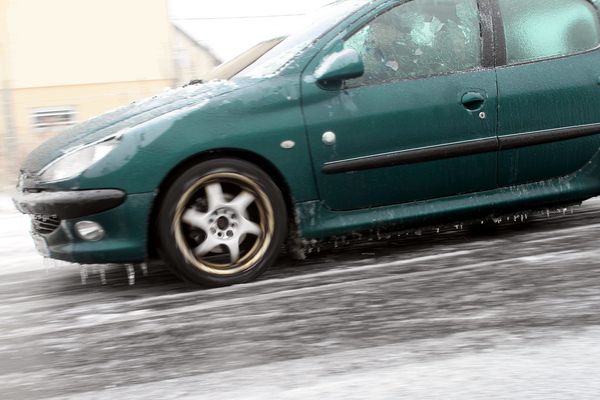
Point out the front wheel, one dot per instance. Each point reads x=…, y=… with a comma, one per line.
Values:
x=222, y=222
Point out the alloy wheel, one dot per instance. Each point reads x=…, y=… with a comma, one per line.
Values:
x=223, y=223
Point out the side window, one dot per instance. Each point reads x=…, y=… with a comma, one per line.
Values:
x=418, y=39
x=536, y=29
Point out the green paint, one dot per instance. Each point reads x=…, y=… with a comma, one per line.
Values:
x=126, y=235
x=319, y=222
x=338, y=67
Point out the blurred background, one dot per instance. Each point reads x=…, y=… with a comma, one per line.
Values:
x=65, y=61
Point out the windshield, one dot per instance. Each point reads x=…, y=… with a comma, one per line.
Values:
x=269, y=57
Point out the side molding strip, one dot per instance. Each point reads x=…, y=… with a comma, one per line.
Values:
x=510, y=142
x=442, y=152
x=412, y=156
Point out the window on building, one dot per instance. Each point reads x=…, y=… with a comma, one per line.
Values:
x=537, y=29
x=53, y=118
x=418, y=39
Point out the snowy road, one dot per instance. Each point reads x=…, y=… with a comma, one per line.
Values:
x=510, y=313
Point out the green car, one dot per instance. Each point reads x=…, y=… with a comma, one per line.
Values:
x=376, y=115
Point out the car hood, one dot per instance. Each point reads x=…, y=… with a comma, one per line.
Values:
x=125, y=117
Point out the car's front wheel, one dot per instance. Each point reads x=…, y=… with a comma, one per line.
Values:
x=222, y=222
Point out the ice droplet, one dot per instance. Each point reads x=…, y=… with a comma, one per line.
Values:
x=131, y=274
x=103, y=275
x=393, y=65
x=48, y=264
x=83, y=272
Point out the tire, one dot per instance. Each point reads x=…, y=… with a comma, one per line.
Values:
x=222, y=222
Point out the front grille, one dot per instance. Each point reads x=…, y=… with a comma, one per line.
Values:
x=44, y=224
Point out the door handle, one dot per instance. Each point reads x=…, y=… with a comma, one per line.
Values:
x=473, y=101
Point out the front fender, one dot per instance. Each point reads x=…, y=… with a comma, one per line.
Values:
x=255, y=119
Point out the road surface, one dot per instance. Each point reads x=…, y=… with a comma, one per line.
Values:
x=504, y=313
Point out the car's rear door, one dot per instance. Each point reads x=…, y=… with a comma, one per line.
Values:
x=549, y=93
x=421, y=123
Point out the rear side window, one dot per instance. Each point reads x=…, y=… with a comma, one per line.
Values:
x=537, y=29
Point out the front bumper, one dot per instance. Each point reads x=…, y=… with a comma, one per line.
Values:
x=69, y=204
x=124, y=219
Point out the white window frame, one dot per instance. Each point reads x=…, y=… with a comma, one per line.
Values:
x=53, y=111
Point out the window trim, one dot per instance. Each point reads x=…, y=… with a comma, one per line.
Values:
x=487, y=45
x=487, y=22
x=500, y=40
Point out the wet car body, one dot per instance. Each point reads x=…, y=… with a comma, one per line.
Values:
x=501, y=137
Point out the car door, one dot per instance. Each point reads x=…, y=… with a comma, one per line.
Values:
x=421, y=123
x=549, y=94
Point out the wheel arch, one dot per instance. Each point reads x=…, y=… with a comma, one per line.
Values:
x=263, y=163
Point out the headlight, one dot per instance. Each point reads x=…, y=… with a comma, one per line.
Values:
x=78, y=160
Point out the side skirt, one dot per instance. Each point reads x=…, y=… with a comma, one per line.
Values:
x=309, y=246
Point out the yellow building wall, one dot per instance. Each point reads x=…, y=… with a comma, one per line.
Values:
x=73, y=42
x=90, y=55
x=87, y=100
x=191, y=60
x=5, y=154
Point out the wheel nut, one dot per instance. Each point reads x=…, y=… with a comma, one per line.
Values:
x=230, y=233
